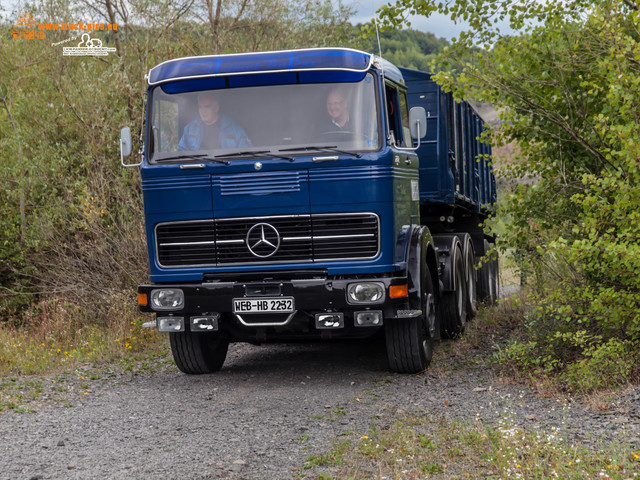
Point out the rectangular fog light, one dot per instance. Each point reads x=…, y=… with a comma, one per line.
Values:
x=326, y=321
x=368, y=318
x=204, y=323
x=170, y=324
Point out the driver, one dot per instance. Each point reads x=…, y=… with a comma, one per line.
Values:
x=211, y=129
x=338, y=111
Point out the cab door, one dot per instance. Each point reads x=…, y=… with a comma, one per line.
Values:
x=405, y=163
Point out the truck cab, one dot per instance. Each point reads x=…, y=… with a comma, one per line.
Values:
x=282, y=202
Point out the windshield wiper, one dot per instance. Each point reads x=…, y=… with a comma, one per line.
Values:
x=198, y=156
x=255, y=153
x=316, y=148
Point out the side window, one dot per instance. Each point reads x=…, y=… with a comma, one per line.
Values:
x=404, y=116
x=165, y=126
x=393, y=116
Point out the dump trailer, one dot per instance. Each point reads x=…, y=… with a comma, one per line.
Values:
x=310, y=195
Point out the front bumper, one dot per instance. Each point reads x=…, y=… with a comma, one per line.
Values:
x=314, y=299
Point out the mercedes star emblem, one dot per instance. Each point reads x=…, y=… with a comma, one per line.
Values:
x=263, y=240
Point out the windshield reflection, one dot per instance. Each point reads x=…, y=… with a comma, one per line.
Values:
x=264, y=121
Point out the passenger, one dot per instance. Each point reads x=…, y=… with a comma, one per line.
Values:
x=212, y=130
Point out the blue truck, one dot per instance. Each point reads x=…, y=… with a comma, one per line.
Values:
x=308, y=195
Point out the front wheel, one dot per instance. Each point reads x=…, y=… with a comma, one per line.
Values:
x=198, y=353
x=410, y=340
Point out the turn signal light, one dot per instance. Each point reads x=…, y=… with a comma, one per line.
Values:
x=398, y=291
x=143, y=300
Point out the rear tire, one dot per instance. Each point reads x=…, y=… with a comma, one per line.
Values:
x=454, y=304
x=489, y=277
x=198, y=353
x=471, y=280
x=495, y=281
x=410, y=340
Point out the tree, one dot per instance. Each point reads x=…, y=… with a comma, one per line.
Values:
x=567, y=85
x=71, y=229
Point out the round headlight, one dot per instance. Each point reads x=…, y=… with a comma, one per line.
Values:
x=167, y=299
x=366, y=292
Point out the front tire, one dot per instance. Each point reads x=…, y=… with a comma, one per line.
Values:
x=198, y=353
x=409, y=341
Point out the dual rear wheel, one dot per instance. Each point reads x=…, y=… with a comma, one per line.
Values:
x=454, y=304
x=489, y=276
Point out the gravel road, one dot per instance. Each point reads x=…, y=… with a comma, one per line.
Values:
x=267, y=410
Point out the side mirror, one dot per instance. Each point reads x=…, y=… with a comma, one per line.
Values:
x=418, y=123
x=125, y=147
x=125, y=142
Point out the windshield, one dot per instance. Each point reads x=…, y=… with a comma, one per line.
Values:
x=264, y=121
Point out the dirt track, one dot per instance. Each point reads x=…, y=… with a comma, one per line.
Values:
x=266, y=411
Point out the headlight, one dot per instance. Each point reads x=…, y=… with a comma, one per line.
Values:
x=366, y=292
x=167, y=299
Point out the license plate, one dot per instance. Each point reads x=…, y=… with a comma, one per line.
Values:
x=263, y=305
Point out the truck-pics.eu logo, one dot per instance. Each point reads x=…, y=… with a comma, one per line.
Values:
x=26, y=27
x=88, y=46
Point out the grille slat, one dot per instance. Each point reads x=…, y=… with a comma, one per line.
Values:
x=303, y=239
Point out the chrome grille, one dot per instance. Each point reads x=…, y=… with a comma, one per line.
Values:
x=344, y=236
x=186, y=243
x=302, y=239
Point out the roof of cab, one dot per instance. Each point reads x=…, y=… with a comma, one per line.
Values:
x=261, y=62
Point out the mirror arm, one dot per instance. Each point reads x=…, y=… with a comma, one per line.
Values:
x=141, y=141
x=122, y=159
x=412, y=149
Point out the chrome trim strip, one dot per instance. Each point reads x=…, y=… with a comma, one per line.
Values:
x=340, y=237
x=189, y=166
x=344, y=214
x=182, y=244
x=266, y=324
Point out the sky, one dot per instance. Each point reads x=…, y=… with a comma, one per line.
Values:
x=440, y=25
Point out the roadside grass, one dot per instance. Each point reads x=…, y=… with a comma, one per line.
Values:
x=27, y=352
x=62, y=350
x=420, y=446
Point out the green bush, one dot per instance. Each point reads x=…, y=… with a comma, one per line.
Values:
x=567, y=88
x=605, y=365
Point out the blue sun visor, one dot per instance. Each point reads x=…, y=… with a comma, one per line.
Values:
x=306, y=61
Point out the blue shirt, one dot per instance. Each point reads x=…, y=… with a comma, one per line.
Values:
x=232, y=135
